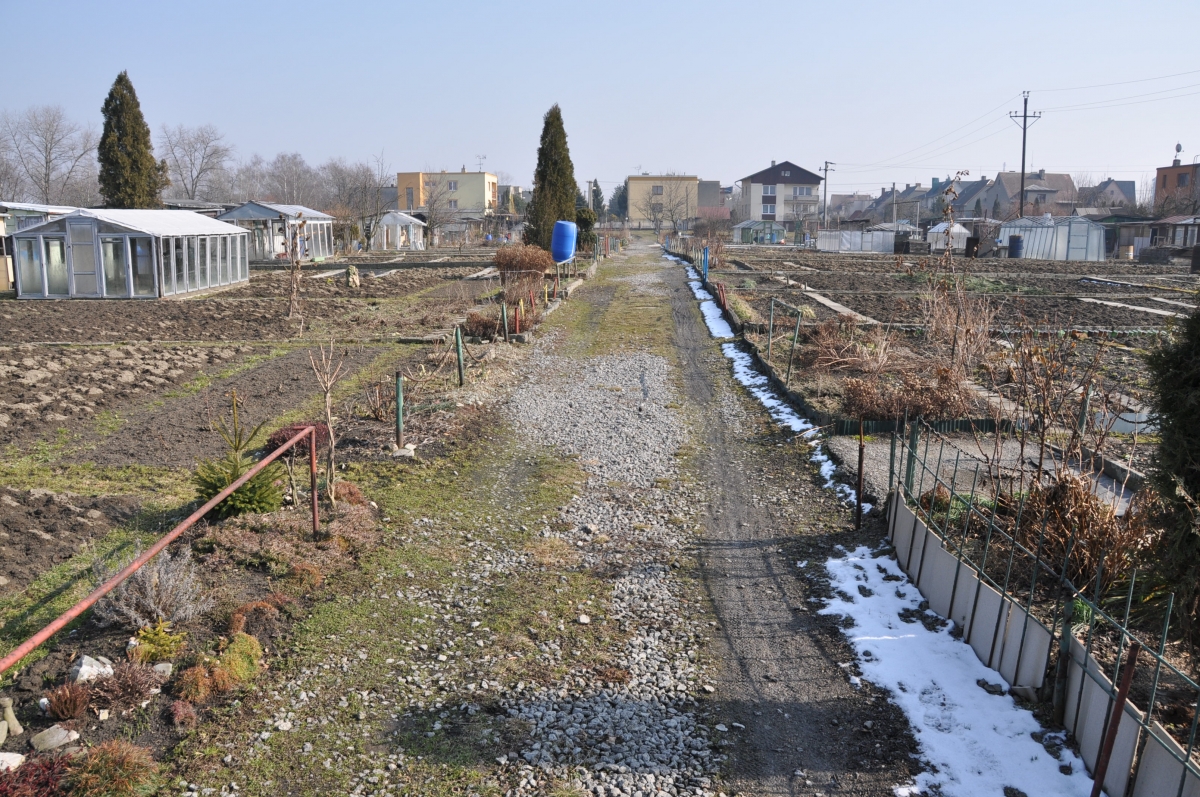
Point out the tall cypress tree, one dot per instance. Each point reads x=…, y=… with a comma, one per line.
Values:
x=554, y=186
x=129, y=175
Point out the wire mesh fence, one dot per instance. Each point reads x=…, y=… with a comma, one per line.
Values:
x=1053, y=607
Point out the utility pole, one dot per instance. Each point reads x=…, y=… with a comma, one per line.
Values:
x=827, y=170
x=893, y=207
x=1025, y=122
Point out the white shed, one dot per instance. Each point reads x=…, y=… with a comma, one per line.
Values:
x=110, y=254
x=396, y=230
x=271, y=225
x=1056, y=237
x=936, y=236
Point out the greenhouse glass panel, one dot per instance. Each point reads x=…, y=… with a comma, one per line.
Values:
x=223, y=250
x=165, y=275
x=202, y=254
x=142, y=260
x=180, y=267
x=196, y=278
x=113, y=252
x=242, y=241
x=56, y=266
x=29, y=266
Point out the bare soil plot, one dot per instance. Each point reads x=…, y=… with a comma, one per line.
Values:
x=399, y=280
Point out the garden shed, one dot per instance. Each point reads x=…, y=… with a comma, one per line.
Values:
x=1056, y=237
x=396, y=230
x=271, y=227
x=117, y=254
x=759, y=232
x=936, y=236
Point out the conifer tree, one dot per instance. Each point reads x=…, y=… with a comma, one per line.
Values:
x=554, y=186
x=130, y=177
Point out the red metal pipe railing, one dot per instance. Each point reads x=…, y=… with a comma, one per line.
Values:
x=29, y=645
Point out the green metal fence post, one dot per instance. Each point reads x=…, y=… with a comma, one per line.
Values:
x=458, y=348
x=399, y=410
x=792, y=356
x=771, y=329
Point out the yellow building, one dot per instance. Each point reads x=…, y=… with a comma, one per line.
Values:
x=663, y=201
x=459, y=193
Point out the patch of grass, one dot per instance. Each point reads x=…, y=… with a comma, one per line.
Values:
x=163, y=485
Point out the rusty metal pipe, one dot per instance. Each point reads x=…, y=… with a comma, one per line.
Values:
x=29, y=645
x=312, y=477
x=1114, y=719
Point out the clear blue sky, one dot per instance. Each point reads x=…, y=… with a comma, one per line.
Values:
x=717, y=89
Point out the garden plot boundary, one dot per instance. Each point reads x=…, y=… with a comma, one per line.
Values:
x=1021, y=617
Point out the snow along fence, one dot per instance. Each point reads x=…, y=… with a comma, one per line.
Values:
x=1051, y=641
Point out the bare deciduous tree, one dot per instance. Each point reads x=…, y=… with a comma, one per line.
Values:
x=354, y=194
x=328, y=372
x=678, y=198
x=650, y=206
x=51, y=153
x=289, y=179
x=196, y=157
x=438, y=212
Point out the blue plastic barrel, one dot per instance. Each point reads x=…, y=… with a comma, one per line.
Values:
x=562, y=242
x=1016, y=246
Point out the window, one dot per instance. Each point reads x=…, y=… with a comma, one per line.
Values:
x=181, y=283
x=244, y=258
x=408, y=197
x=768, y=190
x=786, y=173
x=768, y=210
x=202, y=260
x=656, y=190
x=164, y=266
x=142, y=259
x=113, y=252
x=1164, y=181
x=1182, y=179
x=656, y=207
x=56, y=266
x=454, y=204
x=802, y=190
x=29, y=266
x=453, y=185
x=223, y=255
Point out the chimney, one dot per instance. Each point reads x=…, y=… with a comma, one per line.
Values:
x=1175, y=162
x=936, y=182
x=464, y=171
x=772, y=163
x=1041, y=174
x=907, y=186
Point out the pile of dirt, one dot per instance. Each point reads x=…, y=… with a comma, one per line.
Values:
x=39, y=529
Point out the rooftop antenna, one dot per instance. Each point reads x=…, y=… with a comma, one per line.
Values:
x=481, y=159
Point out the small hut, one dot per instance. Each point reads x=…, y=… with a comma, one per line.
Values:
x=125, y=254
x=936, y=236
x=271, y=227
x=396, y=230
x=1056, y=237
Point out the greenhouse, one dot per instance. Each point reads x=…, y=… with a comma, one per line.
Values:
x=271, y=227
x=1055, y=237
x=121, y=254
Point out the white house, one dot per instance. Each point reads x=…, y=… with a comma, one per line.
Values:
x=784, y=192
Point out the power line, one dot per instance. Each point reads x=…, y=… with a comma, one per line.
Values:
x=1098, y=107
x=1123, y=82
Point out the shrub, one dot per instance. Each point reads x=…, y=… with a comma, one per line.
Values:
x=42, y=776
x=115, y=768
x=194, y=684
x=165, y=589
x=129, y=685
x=281, y=436
x=69, y=701
x=304, y=577
x=350, y=493
x=482, y=323
x=241, y=657
x=157, y=643
x=516, y=258
x=877, y=398
x=263, y=493
x=183, y=716
x=222, y=679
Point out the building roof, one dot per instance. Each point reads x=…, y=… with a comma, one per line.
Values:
x=774, y=175
x=271, y=210
x=1046, y=220
x=969, y=192
x=1058, y=182
x=396, y=217
x=151, y=222
x=663, y=177
x=1178, y=220
x=35, y=208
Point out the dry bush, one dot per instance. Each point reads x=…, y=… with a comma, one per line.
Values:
x=281, y=436
x=166, y=588
x=351, y=493
x=518, y=288
x=194, y=684
x=878, y=398
x=114, y=768
x=127, y=687
x=381, y=401
x=183, y=716
x=1068, y=515
x=516, y=258
x=41, y=776
x=482, y=323
x=69, y=701
x=304, y=577
x=839, y=344
x=955, y=319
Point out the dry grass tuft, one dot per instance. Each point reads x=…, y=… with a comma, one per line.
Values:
x=113, y=769
x=183, y=716
x=69, y=701
x=130, y=684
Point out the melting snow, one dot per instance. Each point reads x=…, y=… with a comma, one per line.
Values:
x=976, y=742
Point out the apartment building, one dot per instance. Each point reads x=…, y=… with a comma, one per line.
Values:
x=663, y=200
x=782, y=192
x=464, y=193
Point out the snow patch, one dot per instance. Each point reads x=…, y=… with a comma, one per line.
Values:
x=976, y=742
